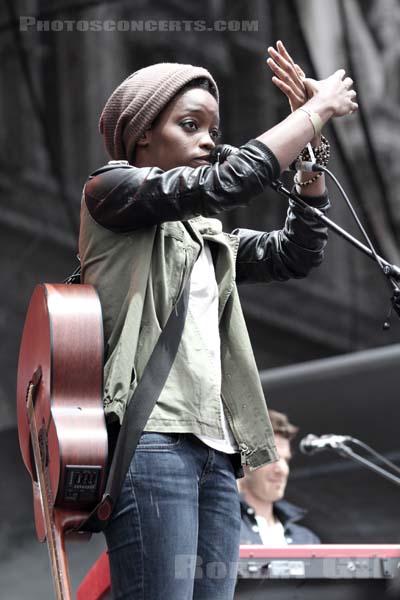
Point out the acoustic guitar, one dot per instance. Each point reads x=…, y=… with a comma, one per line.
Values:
x=61, y=425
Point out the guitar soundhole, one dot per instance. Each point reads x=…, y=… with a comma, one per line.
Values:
x=81, y=484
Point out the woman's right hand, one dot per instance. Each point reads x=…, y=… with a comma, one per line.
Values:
x=330, y=97
x=334, y=91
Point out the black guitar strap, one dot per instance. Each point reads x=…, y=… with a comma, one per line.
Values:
x=138, y=411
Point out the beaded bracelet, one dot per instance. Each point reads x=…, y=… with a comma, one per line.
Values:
x=322, y=153
x=307, y=181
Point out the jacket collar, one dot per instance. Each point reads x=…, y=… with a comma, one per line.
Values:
x=284, y=510
x=288, y=512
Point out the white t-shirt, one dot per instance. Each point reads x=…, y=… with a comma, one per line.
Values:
x=203, y=305
x=271, y=535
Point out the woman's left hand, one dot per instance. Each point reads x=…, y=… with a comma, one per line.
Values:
x=288, y=76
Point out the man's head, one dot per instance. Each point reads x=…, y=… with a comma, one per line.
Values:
x=268, y=483
x=165, y=115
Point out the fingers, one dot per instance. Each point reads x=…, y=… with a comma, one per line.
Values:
x=354, y=106
x=351, y=95
x=300, y=71
x=285, y=69
x=285, y=63
x=311, y=86
x=348, y=82
x=340, y=73
x=287, y=74
x=283, y=52
x=293, y=98
x=342, y=90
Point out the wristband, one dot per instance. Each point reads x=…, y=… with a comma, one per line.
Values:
x=314, y=118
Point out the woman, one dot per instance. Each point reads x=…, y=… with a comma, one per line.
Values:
x=147, y=228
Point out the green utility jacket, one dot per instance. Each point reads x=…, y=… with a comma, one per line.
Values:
x=139, y=263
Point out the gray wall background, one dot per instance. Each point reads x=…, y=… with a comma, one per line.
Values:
x=53, y=86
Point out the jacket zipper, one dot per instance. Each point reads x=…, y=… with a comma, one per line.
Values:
x=244, y=452
x=243, y=448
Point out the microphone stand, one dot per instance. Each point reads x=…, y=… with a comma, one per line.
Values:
x=347, y=452
x=392, y=272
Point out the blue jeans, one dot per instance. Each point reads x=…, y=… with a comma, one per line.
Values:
x=175, y=531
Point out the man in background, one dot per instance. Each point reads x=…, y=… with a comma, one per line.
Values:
x=267, y=518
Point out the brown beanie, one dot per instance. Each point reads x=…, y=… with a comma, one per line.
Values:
x=134, y=105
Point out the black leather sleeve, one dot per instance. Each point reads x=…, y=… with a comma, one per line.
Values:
x=288, y=253
x=125, y=198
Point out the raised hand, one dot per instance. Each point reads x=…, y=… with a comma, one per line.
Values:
x=337, y=90
x=330, y=97
x=288, y=76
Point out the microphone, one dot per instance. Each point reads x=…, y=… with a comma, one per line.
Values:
x=221, y=152
x=304, y=165
x=312, y=443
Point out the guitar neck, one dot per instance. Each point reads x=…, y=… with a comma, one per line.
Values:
x=52, y=518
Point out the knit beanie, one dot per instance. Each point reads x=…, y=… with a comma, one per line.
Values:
x=136, y=102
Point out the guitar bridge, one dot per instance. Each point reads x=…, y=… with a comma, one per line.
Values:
x=81, y=484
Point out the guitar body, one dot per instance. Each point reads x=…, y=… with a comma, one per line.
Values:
x=62, y=341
